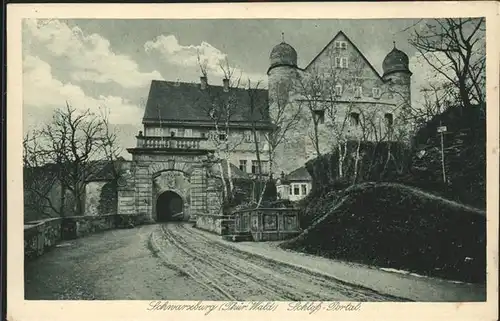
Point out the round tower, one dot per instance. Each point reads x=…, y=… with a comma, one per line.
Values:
x=398, y=76
x=282, y=73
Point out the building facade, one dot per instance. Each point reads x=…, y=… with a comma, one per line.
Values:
x=338, y=96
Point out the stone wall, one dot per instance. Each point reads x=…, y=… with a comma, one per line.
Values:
x=218, y=224
x=267, y=224
x=41, y=236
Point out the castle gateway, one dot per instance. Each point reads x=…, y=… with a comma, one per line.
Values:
x=175, y=173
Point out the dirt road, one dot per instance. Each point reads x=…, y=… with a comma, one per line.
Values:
x=173, y=262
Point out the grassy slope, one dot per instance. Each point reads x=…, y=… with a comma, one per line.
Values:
x=403, y=227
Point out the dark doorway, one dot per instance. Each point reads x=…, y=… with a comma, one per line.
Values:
x=169, y=207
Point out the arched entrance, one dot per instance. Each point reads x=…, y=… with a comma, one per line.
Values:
x=169, y=207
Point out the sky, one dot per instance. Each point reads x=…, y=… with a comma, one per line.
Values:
x=110, y=63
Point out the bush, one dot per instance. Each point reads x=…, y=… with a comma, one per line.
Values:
x=396, y=226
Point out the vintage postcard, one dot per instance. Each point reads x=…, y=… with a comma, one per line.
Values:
x=268, y=160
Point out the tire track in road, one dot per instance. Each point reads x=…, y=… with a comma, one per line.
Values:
x=304, y=284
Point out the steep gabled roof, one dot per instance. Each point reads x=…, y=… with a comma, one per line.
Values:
x=177, y=101
x=341, y=33
x=300, y=174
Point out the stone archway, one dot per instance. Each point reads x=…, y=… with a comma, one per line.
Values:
x=170, y=185
x=169, y=207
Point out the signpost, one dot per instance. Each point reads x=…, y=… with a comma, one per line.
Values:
x=441, y=130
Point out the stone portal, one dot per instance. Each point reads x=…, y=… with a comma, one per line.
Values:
x=169, y=207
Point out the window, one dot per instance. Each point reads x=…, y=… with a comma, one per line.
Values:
x=264, y=165
x=358, y=91
x=344, y=63
x=222, y=136
x=296, y=190
x=157, y=132
x=376, y=92
x=290, y=189
x=180, y=132
x=338, y=90
x=337, y=62
x=389, y=120
x=354, y=119
x=304, y=189
x=243, y=165
x=319, y=116
x=188, y=132
x=255, y=167
x=341, y=62
x=340, y=44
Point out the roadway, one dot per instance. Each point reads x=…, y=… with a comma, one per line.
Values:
x=173, y=262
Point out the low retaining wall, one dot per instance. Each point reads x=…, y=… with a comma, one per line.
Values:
x=267, y=224
x=40, y=236
x=218, y=224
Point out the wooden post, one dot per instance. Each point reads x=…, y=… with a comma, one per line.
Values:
x=442, y=129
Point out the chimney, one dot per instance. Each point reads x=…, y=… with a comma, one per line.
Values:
x=203, y=82
x=225, y=82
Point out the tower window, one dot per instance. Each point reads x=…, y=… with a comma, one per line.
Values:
x=376, y=92
x=354, y=119
x=222, y=136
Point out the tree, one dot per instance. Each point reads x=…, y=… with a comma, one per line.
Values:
x=330, y=93
x=221, y=109
x=78, y=145
x=455, y=48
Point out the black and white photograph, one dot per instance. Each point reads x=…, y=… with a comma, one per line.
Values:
x=255, y=161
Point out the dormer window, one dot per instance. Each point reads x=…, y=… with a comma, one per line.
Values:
x=222, y=136
x=376, y=92
x=354, y=119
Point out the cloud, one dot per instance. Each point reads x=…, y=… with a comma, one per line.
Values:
x=172, y=52
x=42, y=91
x=90, y=57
